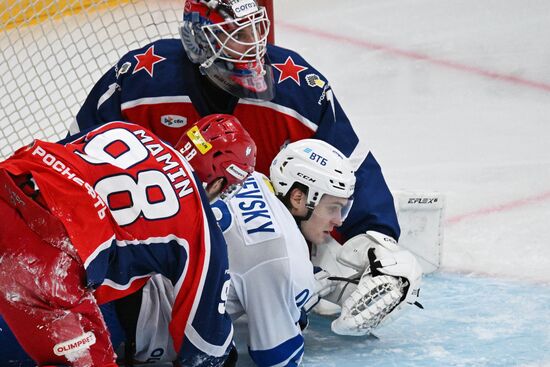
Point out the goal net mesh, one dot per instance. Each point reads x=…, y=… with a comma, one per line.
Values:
x=52, y=52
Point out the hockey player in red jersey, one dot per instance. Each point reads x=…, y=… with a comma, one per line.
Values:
x=91, y=220
x=223, y=64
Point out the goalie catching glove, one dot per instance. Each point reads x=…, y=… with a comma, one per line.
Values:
x=390, y=281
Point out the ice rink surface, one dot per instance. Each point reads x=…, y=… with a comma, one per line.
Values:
x=451, y=96
x=467, y=321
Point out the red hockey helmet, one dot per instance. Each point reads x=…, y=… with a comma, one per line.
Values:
x=218, y=146
x=228, y=39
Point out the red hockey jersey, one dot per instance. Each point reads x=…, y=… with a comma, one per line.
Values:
x=132, y=208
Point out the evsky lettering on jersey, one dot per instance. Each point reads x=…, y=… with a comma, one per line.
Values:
x=256, y=220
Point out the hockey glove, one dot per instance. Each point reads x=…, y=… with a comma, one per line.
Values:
x=323, y=286
x=374, y=299
x=391, y=280
x=378, y=254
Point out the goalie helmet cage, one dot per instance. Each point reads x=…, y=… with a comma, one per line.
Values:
x=53, y=52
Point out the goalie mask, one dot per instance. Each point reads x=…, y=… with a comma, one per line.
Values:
x=228, y=39
x=318, y=166
x=218, y=146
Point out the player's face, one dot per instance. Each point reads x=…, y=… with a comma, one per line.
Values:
x=241, y=43
x=328, y=214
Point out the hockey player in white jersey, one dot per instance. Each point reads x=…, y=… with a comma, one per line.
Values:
x=269, y=227
x=272, y=277
x=273, y=280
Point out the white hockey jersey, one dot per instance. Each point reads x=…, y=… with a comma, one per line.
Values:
x=271, y=274
x=271, y=279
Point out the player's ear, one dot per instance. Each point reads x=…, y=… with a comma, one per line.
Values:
x=297, y=200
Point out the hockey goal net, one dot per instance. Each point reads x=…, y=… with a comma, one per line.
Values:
x=53, y=51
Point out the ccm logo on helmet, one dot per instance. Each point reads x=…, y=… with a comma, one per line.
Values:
x=243, y=8
x=306, y=177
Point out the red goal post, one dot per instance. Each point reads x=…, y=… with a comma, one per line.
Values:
x=271, y=14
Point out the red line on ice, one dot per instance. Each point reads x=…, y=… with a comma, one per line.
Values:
x=448, y=64
x=417, y=56
x=500, y=208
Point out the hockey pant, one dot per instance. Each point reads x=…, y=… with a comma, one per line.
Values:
x=44, y=301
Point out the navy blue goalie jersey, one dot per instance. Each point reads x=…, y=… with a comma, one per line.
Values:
x=159, y=88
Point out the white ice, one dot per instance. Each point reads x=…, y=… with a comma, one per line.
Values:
x=452, y=96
